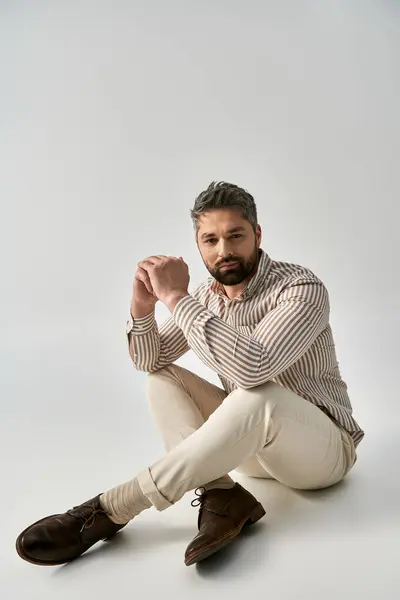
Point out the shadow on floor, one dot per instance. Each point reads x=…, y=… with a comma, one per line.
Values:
x=341, y=510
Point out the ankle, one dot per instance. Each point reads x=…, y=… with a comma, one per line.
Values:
x=124, y=502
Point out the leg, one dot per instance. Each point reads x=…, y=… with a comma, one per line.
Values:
x=253, y=468
x=293, y=440
x=180, y=403
x=305, y=450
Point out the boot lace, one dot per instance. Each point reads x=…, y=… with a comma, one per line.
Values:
x=86, y=514
x=200, y=491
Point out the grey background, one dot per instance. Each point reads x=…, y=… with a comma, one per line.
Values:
x=113, y=117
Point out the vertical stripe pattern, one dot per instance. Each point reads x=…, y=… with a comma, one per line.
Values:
x=276, y=330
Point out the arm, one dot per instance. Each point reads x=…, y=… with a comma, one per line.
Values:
x=152, y=348
x=279, y=340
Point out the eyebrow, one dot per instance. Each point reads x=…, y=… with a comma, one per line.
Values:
x=231, y=230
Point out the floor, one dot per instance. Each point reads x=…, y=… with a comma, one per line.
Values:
x=114, y=115
x=74, y=442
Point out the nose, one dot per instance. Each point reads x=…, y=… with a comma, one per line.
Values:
x=224, y=252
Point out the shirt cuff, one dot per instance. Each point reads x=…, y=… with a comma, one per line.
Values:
x=140, y=326
x=189, y=310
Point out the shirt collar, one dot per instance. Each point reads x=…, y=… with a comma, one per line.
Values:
x=255, y=282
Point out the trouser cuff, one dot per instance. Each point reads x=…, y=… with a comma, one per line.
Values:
x=151, y=491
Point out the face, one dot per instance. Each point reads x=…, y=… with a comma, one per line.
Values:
x=223, y=237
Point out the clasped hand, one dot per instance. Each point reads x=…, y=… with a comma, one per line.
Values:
x=169, y=276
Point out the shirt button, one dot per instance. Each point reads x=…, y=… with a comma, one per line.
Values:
x=129, y=325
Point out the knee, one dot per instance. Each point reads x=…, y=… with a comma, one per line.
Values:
x=151, y=381
x=156, y=381
x=152, y=386
x=265, y=397
x=152, y=376
x=170, y=368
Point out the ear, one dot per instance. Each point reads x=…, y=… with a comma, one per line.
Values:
x=258, y=235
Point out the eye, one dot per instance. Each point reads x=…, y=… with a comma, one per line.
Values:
x=212, y=240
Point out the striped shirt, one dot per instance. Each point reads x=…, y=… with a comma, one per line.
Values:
x=277, y=330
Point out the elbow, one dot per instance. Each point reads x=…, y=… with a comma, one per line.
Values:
x=152, y=369
x=143, y=367
x=246, y=384
x=146, y=368
x=260, y=375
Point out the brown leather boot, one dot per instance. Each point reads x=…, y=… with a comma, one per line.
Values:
x=223, y=514
x=60, y=538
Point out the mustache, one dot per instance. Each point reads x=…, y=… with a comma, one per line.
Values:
x=228, y=262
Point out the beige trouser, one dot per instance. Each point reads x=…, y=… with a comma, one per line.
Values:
x=266, y=431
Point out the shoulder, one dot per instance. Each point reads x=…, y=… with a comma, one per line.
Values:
x=291, y=282
x=286, y=274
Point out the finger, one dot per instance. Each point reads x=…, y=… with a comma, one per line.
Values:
x=148, y=286
x=144, y=278
x=155, y=259
x=146, y=265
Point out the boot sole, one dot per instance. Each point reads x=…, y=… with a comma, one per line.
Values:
x=257, y=513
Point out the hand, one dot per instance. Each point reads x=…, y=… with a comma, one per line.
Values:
x=143, y=294
x=169, y=276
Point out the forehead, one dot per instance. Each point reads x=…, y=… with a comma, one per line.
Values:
x=219, y=221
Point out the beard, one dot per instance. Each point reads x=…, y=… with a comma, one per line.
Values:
x=241, y=271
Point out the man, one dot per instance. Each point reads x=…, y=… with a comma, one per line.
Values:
x=283, y=411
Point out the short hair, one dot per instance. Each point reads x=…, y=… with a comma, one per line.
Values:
x=224, y=195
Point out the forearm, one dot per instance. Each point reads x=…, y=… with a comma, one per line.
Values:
x=279, y=339
x=143, y=340
x=174, y=299
x=150, y=348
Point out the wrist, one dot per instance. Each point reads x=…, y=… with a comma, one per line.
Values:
x=140, y=309
x=172, y=300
